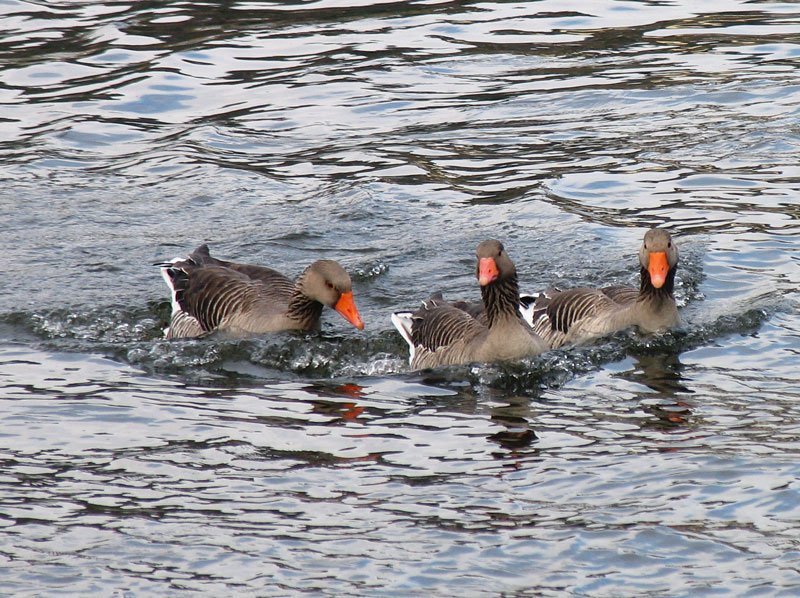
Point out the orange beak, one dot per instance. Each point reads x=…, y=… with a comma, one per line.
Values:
x=347, y=307
x=658, y=268
x=487, y=271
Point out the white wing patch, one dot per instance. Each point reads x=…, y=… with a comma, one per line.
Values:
x=526, y=307
x=403, y=321
x=168, y=279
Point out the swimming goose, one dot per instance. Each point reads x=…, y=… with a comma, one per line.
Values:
x=577, y=315
x=442, y=333
x=210, y=295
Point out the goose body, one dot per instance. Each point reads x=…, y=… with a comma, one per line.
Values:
x=442, y=333
x=211, y=295
x=578, y=315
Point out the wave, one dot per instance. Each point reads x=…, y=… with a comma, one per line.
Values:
x=135, y=337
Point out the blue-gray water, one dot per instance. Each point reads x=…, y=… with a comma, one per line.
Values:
x=394, y=136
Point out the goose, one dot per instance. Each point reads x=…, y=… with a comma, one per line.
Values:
x=442, y=333
x=579, y=315
x=212, y=295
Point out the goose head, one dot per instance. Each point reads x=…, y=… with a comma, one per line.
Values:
x=493, y=263
x=658, y=255
x=328, y=283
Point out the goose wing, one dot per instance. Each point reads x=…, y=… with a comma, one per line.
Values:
x=436, y=332
x=213, y=294
x=207, y=292
x=558, y=316
x=443, y=326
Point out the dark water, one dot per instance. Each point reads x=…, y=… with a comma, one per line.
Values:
x=394, y=137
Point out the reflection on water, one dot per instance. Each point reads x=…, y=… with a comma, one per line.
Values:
x=670, y=402
x=393, y=137
x=518, y=420
x=661, y=373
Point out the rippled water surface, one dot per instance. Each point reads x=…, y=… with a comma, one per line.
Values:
x=393, y=137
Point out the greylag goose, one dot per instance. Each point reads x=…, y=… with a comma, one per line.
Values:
x=578, y=315
x=210, y=295
x=442, y=333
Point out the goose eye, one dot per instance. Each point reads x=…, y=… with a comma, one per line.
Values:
x=328, y=284
x=669, y=244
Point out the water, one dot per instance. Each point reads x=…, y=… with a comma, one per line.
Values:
x=394, y=137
